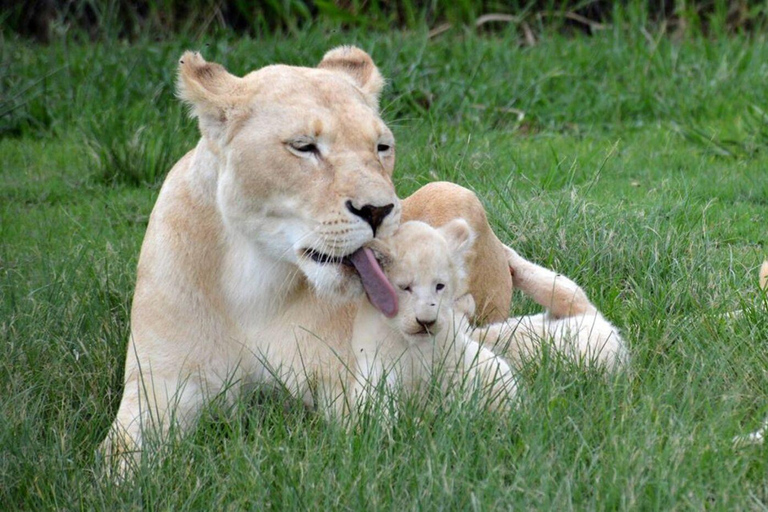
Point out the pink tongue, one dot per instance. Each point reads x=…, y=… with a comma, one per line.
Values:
x=380, y=291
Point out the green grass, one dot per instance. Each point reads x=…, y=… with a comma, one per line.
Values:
x=595, y=156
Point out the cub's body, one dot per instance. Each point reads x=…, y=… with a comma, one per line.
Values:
x=426, y=339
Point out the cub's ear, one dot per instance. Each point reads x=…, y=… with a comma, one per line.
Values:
x=358, y=66
x=764, y=276
x=215, y=95
x=459, y=236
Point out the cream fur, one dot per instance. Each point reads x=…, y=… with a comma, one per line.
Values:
x=571, y=324
x=427, y=269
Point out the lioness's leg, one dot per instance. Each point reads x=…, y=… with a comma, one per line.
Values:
x=151, y=405
x=488, y=279
x=517, y=338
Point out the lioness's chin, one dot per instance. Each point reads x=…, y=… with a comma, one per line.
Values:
x=335, y=282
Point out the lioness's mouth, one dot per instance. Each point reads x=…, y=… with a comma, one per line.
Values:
x=326, y=259
x=377, y=287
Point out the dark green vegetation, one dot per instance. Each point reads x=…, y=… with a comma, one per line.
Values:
x=630, y=161
x=45, y=20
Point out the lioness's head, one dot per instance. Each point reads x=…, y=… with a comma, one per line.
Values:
x=426, y=266
x=303, y=161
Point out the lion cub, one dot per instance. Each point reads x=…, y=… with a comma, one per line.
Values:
x=427, y=332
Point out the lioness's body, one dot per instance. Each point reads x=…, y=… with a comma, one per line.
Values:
x=208, y=310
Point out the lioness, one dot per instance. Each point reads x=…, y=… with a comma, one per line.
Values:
x=426, y=267
x=250, y=262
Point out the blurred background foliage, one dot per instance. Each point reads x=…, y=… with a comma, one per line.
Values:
x=46, y=20
x=104, y=70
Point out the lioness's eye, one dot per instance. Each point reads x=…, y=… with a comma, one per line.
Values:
x=305, y=148
x=439, y=286
x=383, y=148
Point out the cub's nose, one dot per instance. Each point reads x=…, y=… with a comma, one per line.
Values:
x=373, y=215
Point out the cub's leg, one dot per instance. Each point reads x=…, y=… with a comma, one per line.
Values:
x=376, y=382
x=571, y=324
x=487, y=370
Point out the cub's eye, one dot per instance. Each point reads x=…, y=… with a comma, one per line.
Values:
x=406, y=288
x=383, y=148
x=439, y=287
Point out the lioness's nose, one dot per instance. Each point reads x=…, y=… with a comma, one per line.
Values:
x=373, y=215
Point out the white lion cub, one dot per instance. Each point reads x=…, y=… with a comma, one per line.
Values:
x=426, y=330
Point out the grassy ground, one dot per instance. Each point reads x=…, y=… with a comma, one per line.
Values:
x=632, y=163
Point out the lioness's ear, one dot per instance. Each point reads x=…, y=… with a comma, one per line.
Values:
x=214, y=94
x=459, y=236
x=359, y=66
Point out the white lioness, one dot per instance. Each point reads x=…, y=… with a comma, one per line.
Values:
x=571, y=325
x=403, y=350
x=244, y=274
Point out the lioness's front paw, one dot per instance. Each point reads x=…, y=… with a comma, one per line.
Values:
x=120, y=455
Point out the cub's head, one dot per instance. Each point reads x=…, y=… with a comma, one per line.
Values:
x=426, y=266
x=298, y=159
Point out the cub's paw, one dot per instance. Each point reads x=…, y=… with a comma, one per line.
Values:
x=465, y=305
